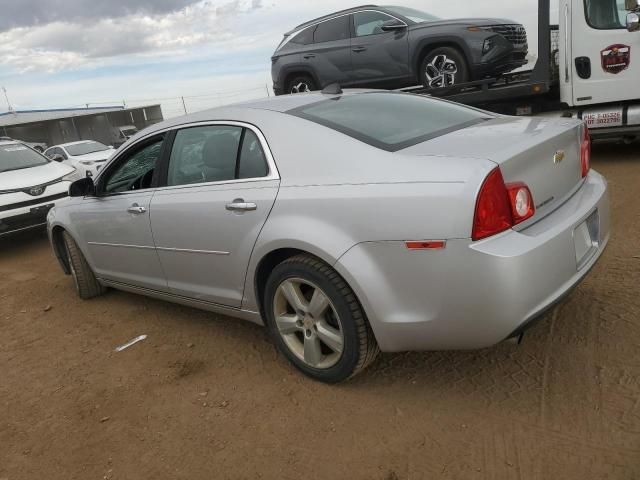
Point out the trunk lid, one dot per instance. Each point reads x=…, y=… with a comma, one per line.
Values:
x=541, y=152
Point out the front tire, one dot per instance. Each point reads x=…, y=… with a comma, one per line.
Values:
x=86, y=283
x=443, y=67
x=301, y=84
x=316, y=320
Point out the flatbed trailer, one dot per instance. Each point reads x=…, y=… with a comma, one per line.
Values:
x=547, y=88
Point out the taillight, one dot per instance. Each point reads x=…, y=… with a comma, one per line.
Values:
x=585, y=151
x=522, y=207
x=500, y=206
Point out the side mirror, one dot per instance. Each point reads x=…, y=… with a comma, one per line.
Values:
x=57, y=157
x=392, y=26
x=633, y=22
x=82, y=188
x=631, y=4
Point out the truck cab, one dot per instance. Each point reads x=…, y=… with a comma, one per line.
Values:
x=596, y=52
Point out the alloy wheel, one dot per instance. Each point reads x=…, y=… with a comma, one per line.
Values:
x=441, y=72
x=308, y=323
x=300, y=87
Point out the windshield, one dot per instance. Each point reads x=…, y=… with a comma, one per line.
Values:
x=85, y=148
x=17, y=157
x=390, y=121
x=412, y=14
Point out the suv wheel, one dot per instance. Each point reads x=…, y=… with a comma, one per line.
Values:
x=443, y=67
x=301, y=84
x=316, y=320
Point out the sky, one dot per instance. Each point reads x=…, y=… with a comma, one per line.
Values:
x=69, y=53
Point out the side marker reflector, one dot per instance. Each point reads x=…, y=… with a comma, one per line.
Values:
x=426, y=245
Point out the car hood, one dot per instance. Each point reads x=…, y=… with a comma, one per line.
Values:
x=94, y=157
x=31, y=177
x=479, y=22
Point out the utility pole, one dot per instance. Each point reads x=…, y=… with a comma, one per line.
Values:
x=11, y=110
x=184, y=105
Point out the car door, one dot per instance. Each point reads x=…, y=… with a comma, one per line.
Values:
x=378, y=55
x=220, y=185
x=329, y=56
x=115, y=226
x=601, y=61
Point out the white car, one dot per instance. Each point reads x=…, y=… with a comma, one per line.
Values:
x=86, y=156
x=30, y=185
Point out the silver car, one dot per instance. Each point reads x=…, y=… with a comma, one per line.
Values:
x=347, y=223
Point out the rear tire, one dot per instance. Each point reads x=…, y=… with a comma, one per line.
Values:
x=86, y=283
x=323, y=331
x=443, y=67
x=300, y=84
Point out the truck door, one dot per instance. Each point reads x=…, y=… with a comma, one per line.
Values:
x=604, y=58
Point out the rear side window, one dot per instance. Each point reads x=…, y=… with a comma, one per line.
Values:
x=215, y=153
x=332, y=30
x=304, y=38
x=390, y=121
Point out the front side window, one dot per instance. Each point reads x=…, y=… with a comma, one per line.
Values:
x=606, y=14
x=370, y=23
x=390, y=121
x=136, y=171
x=332, y=30
x=417, y=16
x=215, y=153
x=18, y=157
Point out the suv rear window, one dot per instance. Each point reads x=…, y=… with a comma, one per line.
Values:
x=390, y=121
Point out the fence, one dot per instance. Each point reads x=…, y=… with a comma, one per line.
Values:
x=181, y=105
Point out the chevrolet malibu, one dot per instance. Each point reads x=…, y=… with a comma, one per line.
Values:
x=345, y=222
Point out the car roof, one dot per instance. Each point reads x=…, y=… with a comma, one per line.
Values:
x=329, y=16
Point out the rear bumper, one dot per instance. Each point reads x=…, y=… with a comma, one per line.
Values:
x=475, y=294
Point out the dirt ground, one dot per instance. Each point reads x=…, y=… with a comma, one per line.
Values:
x=206, y=396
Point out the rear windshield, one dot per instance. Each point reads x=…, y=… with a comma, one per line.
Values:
x=17, y=157
x=85, y=148
x=390, y=121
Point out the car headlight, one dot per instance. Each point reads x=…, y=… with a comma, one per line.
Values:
x=86, y=162
x=70, y=177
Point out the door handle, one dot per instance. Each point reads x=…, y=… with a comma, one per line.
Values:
x=136, y=209
x=359, y=49
x=241, y=206
x=308, y=56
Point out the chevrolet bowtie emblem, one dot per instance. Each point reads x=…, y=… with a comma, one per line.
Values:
x=558, y=157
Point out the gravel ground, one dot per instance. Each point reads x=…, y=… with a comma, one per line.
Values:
x=206, y=396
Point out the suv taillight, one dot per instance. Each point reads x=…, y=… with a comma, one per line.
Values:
x=585, y=151
x=500, y=206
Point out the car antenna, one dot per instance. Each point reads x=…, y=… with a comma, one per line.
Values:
x=332, y=89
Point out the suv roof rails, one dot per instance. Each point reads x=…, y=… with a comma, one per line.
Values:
x=325, y=17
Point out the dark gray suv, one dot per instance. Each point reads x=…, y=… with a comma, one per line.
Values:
x=394, y=47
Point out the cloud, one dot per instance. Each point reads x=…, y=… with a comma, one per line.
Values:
x=27, y=13
x=60, y=45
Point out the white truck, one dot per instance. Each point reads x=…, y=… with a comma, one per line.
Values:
x=585, y=69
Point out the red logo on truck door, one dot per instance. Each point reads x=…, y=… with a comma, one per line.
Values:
x=616, y=58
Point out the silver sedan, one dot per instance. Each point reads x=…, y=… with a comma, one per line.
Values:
x=347, y=223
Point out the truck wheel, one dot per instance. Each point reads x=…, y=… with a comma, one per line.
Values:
x=443, y=67
x=86, y=284
x=301, y=84
x=316, y=320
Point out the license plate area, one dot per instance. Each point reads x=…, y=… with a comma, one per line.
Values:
x=586, y=239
